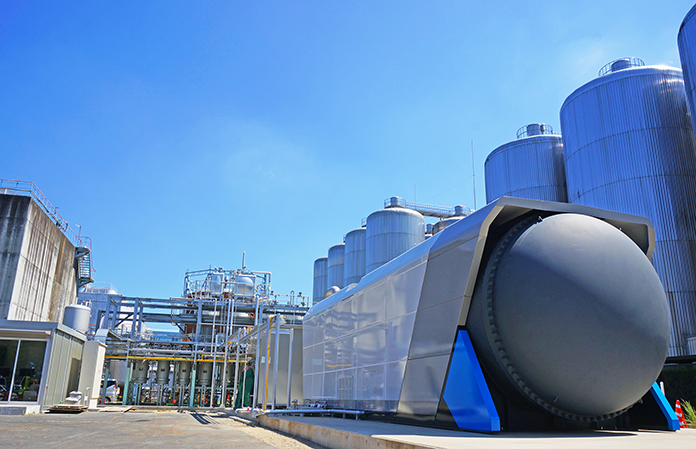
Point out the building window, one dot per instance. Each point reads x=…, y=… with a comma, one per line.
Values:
x=21, y=365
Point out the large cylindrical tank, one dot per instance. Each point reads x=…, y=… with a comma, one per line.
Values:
x=629, y=147
x=334, y=265
x=354, y=265
x=687, y=53
x=140, y=371
x=184, y=374
x=390, y=233
x=569, y=314
x=163, y=371
x=320, y=279
x=204, y=375
x=530, y=167
x=76, y=316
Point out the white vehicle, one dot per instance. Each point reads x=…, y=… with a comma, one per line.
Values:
x=112, y=391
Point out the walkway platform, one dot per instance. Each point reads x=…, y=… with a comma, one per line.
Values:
x=337, y=433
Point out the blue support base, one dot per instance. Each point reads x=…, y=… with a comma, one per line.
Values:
x=466, y=393
x=670, y=415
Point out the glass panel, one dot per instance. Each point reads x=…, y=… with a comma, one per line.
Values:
x=8, y=350
x=27, y=377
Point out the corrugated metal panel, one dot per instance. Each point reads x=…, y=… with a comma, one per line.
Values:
x=320, y=279
x=354, y=265
x=390, y=233
x=629, y=147
x=531, y=167
x=335, y=266
x=687, y=53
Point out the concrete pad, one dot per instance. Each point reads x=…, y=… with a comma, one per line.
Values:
x=336, y=433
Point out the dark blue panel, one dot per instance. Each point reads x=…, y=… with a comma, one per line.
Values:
x=670, y=415
x=466, y=392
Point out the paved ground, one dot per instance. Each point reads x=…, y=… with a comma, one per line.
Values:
x=332, y=433
x=138, y=430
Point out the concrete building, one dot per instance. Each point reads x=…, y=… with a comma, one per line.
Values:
x=40, y=267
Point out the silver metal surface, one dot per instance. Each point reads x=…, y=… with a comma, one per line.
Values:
x=629, y=147
x=76, y=316
x=334, y=266
x=163, y=371
x=391, y=232
x=442, y=224
x=320, y=279
x=204, y=374
x=686, y=41
x=354, y=265
x=184, y=372
x=140, y=371
x=530, y=167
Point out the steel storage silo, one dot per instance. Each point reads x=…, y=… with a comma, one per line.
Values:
x=354, y=265
x=391, y=232
x=334, y=266
x=320, y=279
x=629, y=147
x=530, y=167
x=687, y=53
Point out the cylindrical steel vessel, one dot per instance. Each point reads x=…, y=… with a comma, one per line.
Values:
x=184, y=374
x=76, y=316
x=334, y=266
x=530, y=167
x=442, y=224
x=629, y=147
x=687, y=53
x=390, y=233
x=354, y=265
x=320, y=279
x=204, y=375
x=140, y=371
x=163, y=371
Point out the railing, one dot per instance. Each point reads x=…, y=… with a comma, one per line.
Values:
x=535, y=129
x=28, y=188
x=620, y=64
x=429, y=210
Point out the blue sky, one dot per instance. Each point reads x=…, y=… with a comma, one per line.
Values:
x=180, y=134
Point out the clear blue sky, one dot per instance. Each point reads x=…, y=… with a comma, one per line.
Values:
x=179, y=134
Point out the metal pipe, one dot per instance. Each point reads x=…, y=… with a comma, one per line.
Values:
x=292, y=338
x=275, y=361
x=268, y=350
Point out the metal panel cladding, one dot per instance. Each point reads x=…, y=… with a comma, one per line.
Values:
x=354, y=265
x=530, y=167
x=390, y=233
x=629, y=147
x=687, y=53
x=335, y=266
x=320, y=279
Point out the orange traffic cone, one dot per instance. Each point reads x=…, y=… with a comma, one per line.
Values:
x=680, y=415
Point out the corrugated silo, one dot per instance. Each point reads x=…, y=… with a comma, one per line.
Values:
x=391, y=232
x=335, y=266
x=320, y=279
x=687, y=53
x=629, y=147
x=354, y=265
x=530, y=167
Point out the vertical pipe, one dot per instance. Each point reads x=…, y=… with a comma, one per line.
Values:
x=292, y=338
x=275, y=361
x=126, y=383
x=257, y=378
x=193, y=384
x=268, y=350
x=235, y=390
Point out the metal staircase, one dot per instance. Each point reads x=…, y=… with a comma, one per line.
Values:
x=83, y=260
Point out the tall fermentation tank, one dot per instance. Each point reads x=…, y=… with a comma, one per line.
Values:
x=687, y=53
x=334, y=266
x=205, y=373
x=391, y=232
x=320, y=279
x=184, y=372
x=354, y=265
x=530, y=167
x=629, y=147
x=140, y=371
x=163, y=371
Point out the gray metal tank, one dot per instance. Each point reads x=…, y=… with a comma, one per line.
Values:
x=530, y=167
x=204, y=375
x=163, y=371
x=354, y=265
x=569, y=313
x=629, y=147
x=442, y=224
x=334, y=266
x=140, y=371
x=686, y=40
x=320, y=279
x=390, y=233
x=76, y=316
x=184, y=374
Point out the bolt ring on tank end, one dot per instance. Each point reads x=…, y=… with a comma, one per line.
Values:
x=500, y=352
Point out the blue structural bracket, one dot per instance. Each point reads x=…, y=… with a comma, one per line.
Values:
x=670, y=415
x=466, y=393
